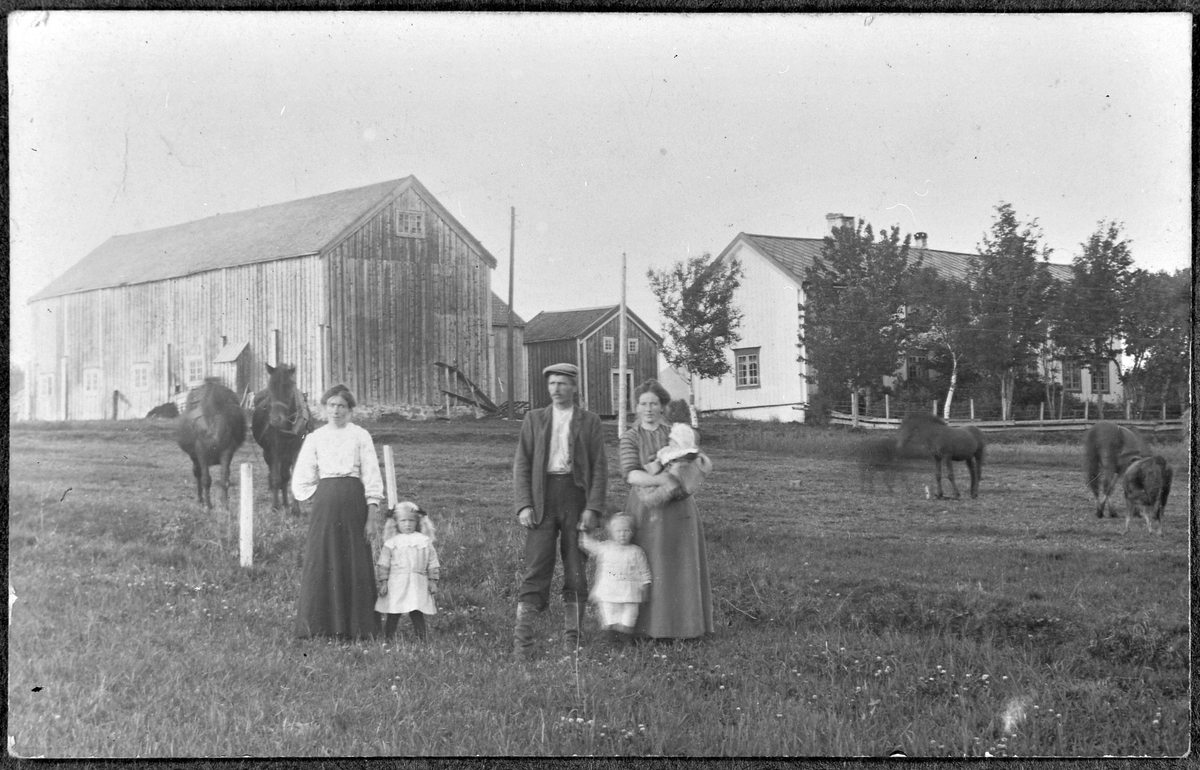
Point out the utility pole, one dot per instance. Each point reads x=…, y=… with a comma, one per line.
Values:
x=512, y=384
x=622, y=387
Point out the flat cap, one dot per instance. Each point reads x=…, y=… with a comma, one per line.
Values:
x=571, y=370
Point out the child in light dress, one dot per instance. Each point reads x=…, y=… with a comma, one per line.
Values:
x=622, y=577
x=681, y=459
x=407, y=572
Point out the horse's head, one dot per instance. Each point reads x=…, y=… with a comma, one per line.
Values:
x=288, y=410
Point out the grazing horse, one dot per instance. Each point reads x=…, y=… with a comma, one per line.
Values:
x=933, y=435
x=1147, y=483
x=1108, y=449
x=279, y=423
x=210, y=430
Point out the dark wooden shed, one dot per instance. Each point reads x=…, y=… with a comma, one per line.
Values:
x=588, y=338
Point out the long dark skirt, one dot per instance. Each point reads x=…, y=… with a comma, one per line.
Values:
x=337, y=590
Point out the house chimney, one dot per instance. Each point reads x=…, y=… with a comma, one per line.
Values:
x=838, y=220
x=920, y=240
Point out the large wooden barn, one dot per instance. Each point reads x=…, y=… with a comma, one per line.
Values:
x=372, y=287
x=588, y=339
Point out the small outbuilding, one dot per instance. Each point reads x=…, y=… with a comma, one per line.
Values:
x=500, y=389
x=588, y=338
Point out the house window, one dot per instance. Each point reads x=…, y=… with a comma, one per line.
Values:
x=1100, y=378
x=747, y=367
x=410, y=224
x=917, y=368
x=45, y=389
x=633, y=345
x=1071, y=377
x=91, y=380
x=193, y=367
x=141, y=376
x=608, y=345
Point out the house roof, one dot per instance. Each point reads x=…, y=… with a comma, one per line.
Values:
x=795, y=255
x=576, y=324
x=500, y=313
x=292, y=229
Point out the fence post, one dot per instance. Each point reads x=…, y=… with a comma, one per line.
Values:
x=854, y=408
x=887, y=407
x=389, y=467
x=1042, y=412
x=972, y=410
x=247, y=517
x=935, y=407
x=1086, y=403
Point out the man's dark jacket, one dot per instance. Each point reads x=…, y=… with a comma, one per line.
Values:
x=589, y=464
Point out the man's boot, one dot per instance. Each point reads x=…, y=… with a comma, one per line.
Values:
x=572, y=620
x=523, y=633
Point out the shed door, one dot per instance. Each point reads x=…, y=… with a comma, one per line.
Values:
x=615, y=381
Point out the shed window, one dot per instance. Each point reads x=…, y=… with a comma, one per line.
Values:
x=747, y=367
x=609, y=345
x=141, y=376
x=410, y=224
x=633, y=344
x=194, y=370
x=91, y=380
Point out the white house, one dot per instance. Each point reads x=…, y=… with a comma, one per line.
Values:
x=767, y=379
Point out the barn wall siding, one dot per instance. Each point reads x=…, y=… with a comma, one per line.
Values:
x=398, y=305
x=601, y=366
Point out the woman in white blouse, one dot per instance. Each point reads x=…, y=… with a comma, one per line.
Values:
x=338, y=469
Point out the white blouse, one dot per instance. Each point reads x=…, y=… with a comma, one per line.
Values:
x=333, y=452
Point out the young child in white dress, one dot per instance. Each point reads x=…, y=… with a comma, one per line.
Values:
x=681, y=459
x=622, y=577
x=407, y=572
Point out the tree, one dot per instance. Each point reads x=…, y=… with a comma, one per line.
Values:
x=1012, y=291
x=854, y=329
x=1094, y=306
x=696, y=299
x=940, y=314
x=1166, y=366
x=1155, y=328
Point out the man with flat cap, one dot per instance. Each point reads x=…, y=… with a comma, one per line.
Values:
x=560, y=478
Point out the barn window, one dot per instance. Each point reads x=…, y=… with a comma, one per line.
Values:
x=193, y=367
x=633, y=344
x=609, y=345
x=747, y=367
x=91, y=380
x=410, y=224
x=1071, y=377
x=141, y=376
x=1100, y=377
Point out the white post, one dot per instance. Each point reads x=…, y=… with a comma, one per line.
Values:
x=887, y=407
x=972, y=410
x=934, y=402
x=389, y=474
x=854, y=408
x=247, y=520
x=1042, y=412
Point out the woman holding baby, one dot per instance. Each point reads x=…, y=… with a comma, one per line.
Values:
x=668, y=523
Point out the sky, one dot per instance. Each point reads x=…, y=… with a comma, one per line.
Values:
x=658, y=137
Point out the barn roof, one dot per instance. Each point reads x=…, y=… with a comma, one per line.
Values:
x=282, y=230
x=795, y=255
x=576, y=324
x=500, y=313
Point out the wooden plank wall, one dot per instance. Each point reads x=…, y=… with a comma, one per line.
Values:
x=162, y=323
x=643, y=365
x=400, y=304
x=539, y=356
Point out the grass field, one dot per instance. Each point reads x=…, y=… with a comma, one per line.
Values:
x=848, y=624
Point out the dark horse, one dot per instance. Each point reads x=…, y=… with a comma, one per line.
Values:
x=932, y=434
x=1108, y=449
x=210, y=430
x=1147, y=483
x=279, y=424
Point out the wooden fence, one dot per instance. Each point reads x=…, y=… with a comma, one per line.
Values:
x=1040, y=426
